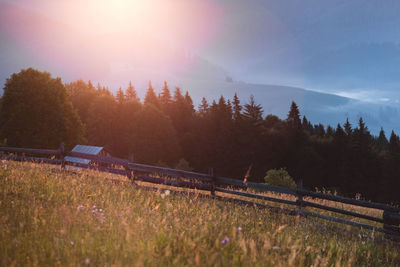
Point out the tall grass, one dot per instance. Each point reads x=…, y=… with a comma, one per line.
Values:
x=49, y=217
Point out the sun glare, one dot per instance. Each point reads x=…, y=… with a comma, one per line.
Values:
x=120, y=15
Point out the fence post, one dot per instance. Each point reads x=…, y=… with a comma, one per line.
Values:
x=62, y=155
x=130, y=172
x=391, y=222
x=299, y=199
x=211, y=173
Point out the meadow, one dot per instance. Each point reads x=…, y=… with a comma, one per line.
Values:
x=85, y=218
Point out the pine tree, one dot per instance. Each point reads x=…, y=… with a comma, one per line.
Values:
x=319, y=130
x=229, y=108
x=237, y=108
x=306, y=125
x=329, y=131
x=382, y=143
x=339, y=136
x=394, y=143
x=165, y=95
x=347, y=128
x=131, y=92
x=362, y=137
x=189, y=102
x=178, y=97
x=203, y=107
x=120, y=96
x=293, y=118
x=98, y=87
x=361, y=126
x=90, y=85
x=252, y=110
x=151, y=97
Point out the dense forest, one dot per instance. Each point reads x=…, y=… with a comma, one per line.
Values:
x=230, y=136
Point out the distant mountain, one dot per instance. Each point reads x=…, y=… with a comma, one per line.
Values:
x=354, y=43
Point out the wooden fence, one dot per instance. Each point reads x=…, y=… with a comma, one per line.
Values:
x=390, y=219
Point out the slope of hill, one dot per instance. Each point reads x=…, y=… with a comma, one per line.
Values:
x=100, y=222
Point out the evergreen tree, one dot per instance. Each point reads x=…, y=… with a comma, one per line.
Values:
x=319, y=130
x=151, y=97
x=293, y=117
x=252, y=110
x=382, y=143
x=90, y=85
x=120, y=96
x=391, y=182
x=165, y=95
x=362, y=137
x=229, y=108
x=237, y=108
x=394, y=143
x=131, y=93
x=306, y=125
x=347, y=128
x=178, y=97
x=189, y=103
x=339, y=136
x=203, y=107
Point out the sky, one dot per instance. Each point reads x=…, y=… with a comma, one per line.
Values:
x=346, y=47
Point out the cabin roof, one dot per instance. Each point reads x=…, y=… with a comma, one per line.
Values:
x=92, y=150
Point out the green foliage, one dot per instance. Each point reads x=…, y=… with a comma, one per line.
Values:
x=82, y=95
x=280, y=178
x=35, y=112
x=155, y=137
x=183, y=165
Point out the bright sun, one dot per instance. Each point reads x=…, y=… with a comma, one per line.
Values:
x=121, y=14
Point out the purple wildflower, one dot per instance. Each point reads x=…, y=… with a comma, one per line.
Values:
x=80, y=207
x=239, y=229
x=225, y=240
x=95, y=211
x=71, y=243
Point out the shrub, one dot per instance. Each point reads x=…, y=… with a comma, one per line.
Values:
x=183, y=165
x=279, y=178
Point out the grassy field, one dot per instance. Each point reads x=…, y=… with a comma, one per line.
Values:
x=49, y=217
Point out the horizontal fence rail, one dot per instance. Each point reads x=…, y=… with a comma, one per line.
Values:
x=350, y=201
x=30, y=150
x=209, y=182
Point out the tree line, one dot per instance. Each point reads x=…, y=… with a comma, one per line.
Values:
x=233, y=138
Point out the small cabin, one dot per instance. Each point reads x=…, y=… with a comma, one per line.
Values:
x=92, y=150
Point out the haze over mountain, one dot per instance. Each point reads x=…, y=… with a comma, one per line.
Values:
x=350, y=48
